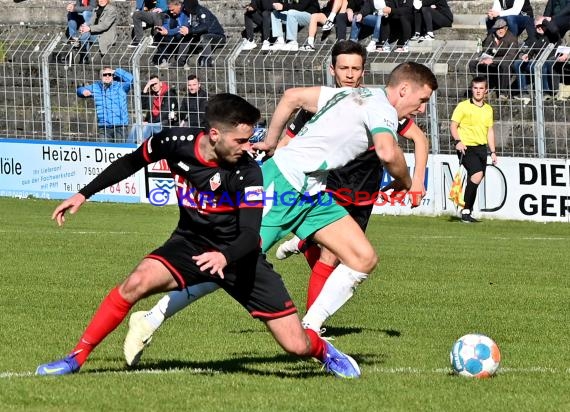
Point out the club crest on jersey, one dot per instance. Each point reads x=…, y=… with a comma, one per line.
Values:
x=215, y=181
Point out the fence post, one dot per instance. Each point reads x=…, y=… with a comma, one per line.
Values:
x=432, y=104
x=539, y=92
x=136, y=59
x=46, y=86
x=231, y=61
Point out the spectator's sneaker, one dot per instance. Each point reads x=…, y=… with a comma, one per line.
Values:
x=63, y=366
x=371, y=47
x=402, y=49
x=427, y=37
x=416, y=37
x=328, y=25
x=547, y=97
x=163, y=65
x=134, y=44
x=248, y=45
x=307, y=47
x=288, y=248
x=265, y=45
x=138, y=337
x=278, y=45
x=467, y=218
x=339, y=364
x=291, y=46
x=523, y=96
x=503, y=96
x=74, y=41
x=386, y=48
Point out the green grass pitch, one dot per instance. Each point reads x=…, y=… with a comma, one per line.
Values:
x=437, y=279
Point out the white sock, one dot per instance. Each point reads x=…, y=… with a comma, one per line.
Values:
x=337, y=290
x=331, y=16
x=177, y=300
x=311, y=41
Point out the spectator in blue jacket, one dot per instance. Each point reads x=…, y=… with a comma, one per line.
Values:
x=204, y=32
x=173, y=31
x=110, y=95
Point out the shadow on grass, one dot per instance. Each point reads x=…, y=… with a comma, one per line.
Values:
x=281, y=366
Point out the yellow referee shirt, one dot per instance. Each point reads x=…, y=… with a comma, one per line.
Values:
x=474, y=122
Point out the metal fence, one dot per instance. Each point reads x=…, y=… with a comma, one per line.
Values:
x=40, y=74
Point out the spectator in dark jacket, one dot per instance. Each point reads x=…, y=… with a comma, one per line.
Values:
x=370, y=15
x=500, y=49
x=257, y=15
x=430, y=15
x=295, y=14
x=554, y=7
x=161, y=107
x=172, y=33
x=193, y=105
x=398, y=23
x=204, y=31
x=110, y=95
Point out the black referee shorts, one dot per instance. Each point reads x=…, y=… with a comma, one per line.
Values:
x=474, y=159
x=251, y=281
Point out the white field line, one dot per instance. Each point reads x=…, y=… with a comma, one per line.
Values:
x=538, y=370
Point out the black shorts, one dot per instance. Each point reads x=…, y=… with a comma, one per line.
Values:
x=361, y=214
x=251, y=281
x=474, y=159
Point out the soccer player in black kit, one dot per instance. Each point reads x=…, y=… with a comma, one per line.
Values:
x=216, y=240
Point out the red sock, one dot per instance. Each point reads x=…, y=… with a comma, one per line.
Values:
x=312, y=254
x=318, y=347
x=110, y=314
x=319, y=275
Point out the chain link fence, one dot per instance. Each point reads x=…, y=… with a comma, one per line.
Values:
x=40, y=75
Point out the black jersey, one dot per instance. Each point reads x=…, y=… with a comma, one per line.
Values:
x=220, y=204
x=360, y=176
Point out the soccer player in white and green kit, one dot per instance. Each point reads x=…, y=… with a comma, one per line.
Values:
x=348, y=121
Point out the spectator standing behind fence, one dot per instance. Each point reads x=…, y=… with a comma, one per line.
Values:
x=472, y=135
x=78, y=13
x=161, y=106
x=205, y=32
x=500, y=49
x=110, y=96
x=150, y=13
x=430, y=15
x=294, y=14
x=173, y=31
x=193, y=105
x=101, y=29
x=517, y=13
x=257, y=15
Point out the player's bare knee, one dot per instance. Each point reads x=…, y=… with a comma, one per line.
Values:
x=135, y=287
x=366, y=261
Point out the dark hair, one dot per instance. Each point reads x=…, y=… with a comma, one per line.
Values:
x=479, y=79
x=192, y=77
x=226, y=109
x=414, y=72
x=348, y=47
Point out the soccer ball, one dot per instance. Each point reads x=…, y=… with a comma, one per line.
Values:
x=475, y=356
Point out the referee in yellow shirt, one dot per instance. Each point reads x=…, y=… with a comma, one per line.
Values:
x=473, y=136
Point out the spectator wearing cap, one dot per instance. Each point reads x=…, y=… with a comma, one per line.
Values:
x=517, y=13
x=500, y=48
x=110, y=96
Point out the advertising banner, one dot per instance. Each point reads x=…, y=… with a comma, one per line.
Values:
x=56, y=170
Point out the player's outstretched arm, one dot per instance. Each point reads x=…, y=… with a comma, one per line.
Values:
x=421, y=148
x=391, y=155
x=293, y=99
x=72, y=204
